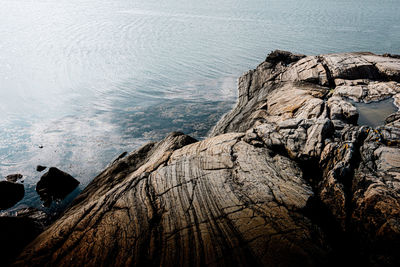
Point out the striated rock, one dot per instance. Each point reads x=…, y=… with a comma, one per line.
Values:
x=299, y=138
x=287, y=178
x=341, y=112
x=10, y=194
x=363, y=91
x=309, y=69
x=353, y=65
x=187, y=206
x=54, y=185
x=348, y=75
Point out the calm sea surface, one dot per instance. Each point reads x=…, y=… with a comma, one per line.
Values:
x=90, y=79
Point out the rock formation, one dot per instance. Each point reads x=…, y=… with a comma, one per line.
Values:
x=54, y=185
x=287, y=178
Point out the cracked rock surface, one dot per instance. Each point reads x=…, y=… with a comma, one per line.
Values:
x=287, y=178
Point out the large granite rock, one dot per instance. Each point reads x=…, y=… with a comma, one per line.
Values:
x=287, y=178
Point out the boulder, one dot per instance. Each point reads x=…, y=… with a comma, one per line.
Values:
x=55, y=185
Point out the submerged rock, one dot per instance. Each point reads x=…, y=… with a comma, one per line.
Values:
x=10, y=194
x=287, y=178
x=55, y=185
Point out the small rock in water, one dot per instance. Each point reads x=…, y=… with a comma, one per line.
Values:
x=14, y=177
x=10, y=194
x=40, y=168
x=55, y=185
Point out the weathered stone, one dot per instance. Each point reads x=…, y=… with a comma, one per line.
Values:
x=388, y=67
x=191, y=201
x=376, y=193
x=309, y=69
x=351, y=66
x=372, y=91
x=392, y=118
x=341, y=110
x=397, y=100
x=301, y=139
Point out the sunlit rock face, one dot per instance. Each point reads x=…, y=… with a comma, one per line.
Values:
x=288, y=178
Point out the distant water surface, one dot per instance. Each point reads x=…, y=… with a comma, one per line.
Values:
x=89, y=79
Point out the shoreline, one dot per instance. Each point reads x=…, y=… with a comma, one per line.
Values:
x=290, y=152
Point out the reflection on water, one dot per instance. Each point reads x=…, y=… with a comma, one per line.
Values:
x=374, y=113
x=89, y=79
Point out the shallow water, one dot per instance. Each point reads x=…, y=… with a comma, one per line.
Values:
x=89, y=79
x=374, y=113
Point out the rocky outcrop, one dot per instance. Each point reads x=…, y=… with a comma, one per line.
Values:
x=287, y=178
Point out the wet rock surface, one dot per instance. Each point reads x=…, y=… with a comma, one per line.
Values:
x=10, y=194
x=55, y=185
x=287, y=178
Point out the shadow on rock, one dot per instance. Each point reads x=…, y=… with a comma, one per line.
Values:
x=18, y=230
x=10, y=194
